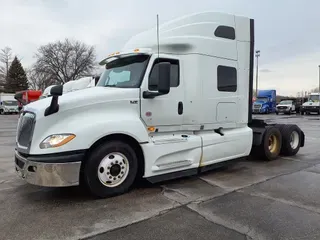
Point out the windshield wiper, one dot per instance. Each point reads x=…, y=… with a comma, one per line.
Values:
x=111, y=85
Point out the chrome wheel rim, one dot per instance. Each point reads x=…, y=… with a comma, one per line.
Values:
x=273, y=143
x=294, y=140
x=113, y=169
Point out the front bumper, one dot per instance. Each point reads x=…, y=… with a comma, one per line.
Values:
x=310, y=109
x=283, y=110
x=10, y=110
x=50, y=170
x=259, y=110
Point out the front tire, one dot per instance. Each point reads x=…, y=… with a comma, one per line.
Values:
x=111, y=169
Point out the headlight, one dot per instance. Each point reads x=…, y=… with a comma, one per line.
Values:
x=56, y=140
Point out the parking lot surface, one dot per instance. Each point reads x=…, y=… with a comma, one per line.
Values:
x=250, y=199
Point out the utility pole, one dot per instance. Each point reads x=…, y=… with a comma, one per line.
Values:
x=257, y=71
x=319, y=85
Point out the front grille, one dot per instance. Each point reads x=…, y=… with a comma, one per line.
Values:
x=282, y=107
x=25, y=129
x=257, y=106
x=311, y=107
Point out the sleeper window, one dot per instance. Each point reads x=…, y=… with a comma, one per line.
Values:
x=227, y=79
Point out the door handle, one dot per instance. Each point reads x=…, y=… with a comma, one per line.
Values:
x=180, y=108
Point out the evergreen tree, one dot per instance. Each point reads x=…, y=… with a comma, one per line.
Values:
x=17, y=79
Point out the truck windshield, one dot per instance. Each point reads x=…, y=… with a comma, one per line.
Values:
x=262, y=99
x=314, y=98
x=286, y=102
x=10, y=103
x=124, y=72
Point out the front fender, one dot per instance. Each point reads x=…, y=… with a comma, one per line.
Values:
x=88, y=126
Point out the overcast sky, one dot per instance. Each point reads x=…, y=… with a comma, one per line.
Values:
x=287, y=32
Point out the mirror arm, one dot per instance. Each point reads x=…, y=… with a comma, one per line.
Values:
x=151, y=95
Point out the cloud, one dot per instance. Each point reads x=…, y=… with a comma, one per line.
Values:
x=285, y=35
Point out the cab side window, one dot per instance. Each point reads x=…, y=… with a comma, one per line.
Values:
x=154, y=74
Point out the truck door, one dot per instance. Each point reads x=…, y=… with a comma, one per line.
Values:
x=165, y=110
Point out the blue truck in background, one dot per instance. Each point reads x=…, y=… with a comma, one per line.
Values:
x=265, y=102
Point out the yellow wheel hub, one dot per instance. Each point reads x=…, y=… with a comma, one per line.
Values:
x=273, y=144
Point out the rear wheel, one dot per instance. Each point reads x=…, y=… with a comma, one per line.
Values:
x=270, y=147
x=111, y=169
x=291, y=140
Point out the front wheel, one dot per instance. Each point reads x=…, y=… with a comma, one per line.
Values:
x=111, y=169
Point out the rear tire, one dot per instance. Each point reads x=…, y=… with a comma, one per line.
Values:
x=111, y=169
x=270, y=147
x=291, y=139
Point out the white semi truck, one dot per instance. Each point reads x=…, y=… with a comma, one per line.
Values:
x=161, y=110
x=312, y=105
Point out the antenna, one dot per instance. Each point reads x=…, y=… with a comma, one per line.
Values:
x=158, y=35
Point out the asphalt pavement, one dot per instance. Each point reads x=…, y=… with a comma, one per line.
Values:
x=250, y=199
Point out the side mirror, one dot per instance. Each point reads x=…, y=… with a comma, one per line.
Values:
x=96, y=80
x=164, y=78
x=56, y=90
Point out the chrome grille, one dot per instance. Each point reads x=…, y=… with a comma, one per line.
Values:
x=257, y=105
x=25, y=129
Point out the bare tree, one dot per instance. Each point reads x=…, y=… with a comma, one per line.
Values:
x=5, y=60
x=39, y=80
x=65, y=60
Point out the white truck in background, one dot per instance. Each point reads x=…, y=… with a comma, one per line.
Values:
x=46, y=92
x=71, y=86
x=312, y=105
x=8, y=104
x=161, y=110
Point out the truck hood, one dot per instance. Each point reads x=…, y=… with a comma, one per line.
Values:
x=84, y=97
x=259, y=102
x=311, y=103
